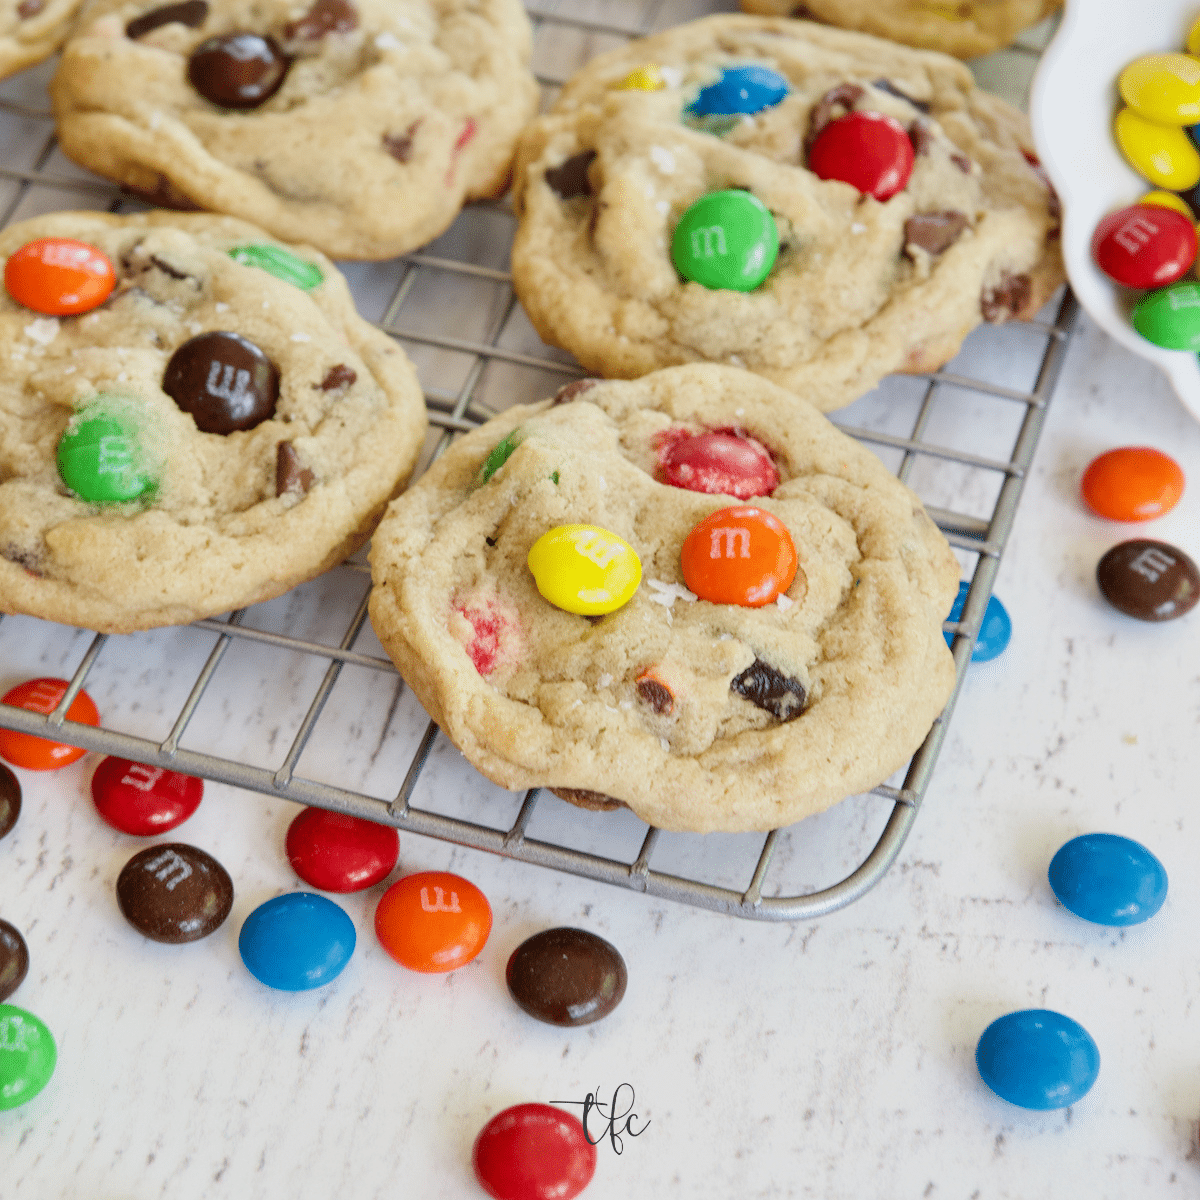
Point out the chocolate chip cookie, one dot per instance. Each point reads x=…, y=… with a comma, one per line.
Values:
x=31, y=30
x=689, y=593
x=193, y=418
x=357, y=126
x=964, y=28
x=820, y=207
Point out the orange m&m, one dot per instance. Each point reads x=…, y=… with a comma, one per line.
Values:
x=1132, y=483
x=41, y=754
x=60, y=277
x=433, y=921
x=739, y=555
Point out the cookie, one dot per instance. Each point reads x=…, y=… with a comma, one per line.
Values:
x=683, y=682
x=358, y=126
x=964, y=28
x=31, y=30
x=954, y=222
x=216, y=428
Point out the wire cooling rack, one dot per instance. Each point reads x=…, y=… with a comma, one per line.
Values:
x=963, y=438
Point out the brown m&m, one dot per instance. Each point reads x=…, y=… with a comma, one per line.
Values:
x=1152, y=581
x=14, y=959
x=10, y=800
x=237, y=70
x=174, y=892
x=566, y=976
x=224, y=380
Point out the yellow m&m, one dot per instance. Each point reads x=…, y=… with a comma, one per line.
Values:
x=585, y=569
x=1168, y=200
x=1162, y=153
x=647, y=78
x=1163, y=88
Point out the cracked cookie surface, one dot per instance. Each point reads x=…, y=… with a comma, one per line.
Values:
x=357, y=126
x=697, y=715
x=224, y=519
x=861, y=286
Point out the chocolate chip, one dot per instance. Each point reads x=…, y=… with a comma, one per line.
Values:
x=886, y=85
x=291, y=475
x=325, y=16
x=566, y=976
x=780, y=695
x=1152, y=581
x=844, y=96
x=571, y=178
x=164, y=194
x=399, y=145
x=14, y=961
x=921, y=136
x=491, y=541
x=935, y=231
x=30, y=8
x=1007, y=299
x=167, y=269
x=656, y=694
x=192, y=13
x=575, y=389
x=174, y=892
x=803, y=13
x=338, y=377
x=225, y=381
x=592, y=801
x=237, y=70
x=962, y=162
x=10, y=800
x=27, y=559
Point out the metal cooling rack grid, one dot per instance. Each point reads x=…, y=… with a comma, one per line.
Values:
x=962, y=438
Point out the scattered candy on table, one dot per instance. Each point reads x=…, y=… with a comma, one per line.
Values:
x=585, y=569
x=1108, y=879
x=718, y=461
x=27, y=1056
x=10, y=800
x=281, y=263
x=43, y=696
x=59, y=277
x=739, y=555
x=726, y=239
x=566, y=976
x=1132, y=483
x=337, y=852
x=144, y=800
x=747, y=90
x=868, y=150
x=297, y=941
x=533, y=1152
x=433, y=921
x=1152, y=581
x=14, y=959
x=1145, y=245
x=995, y=631
x=174, y=892
x=1038, y=1059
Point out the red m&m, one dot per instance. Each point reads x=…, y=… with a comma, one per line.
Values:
x=868, y=150
x=340, y=853
x=533, y=1152
x=143, y=800
x=739, y=555
x=43, y=696
x=60, y=277
x=433, y=921
x=723, y=461
x=1132, y=483
x=1144, y=245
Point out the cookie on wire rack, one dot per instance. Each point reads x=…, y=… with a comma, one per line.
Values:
x=193, y=417
x=357, y=126
x=820, y=207
x=31, y=30
x=704, y=682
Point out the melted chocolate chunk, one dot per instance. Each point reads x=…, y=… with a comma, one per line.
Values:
x=225, y=381
x=886, y=85
x=934, y=232
x=338, y=377
x=167, y=269
x=962, y=162
x=844, y=96
x=656, y=694
x=921, y=136
x=1007, y=299
x=237, y=70
x=325, y=16
x=399, y=145
x=572, y=391
x=780, y=695
x=14, y=962
x=30, y=8
x=803, y=13
x=164, y=194
x=592, y=801
x=23, y=558
x=571, y=178
x=291, y=475
x=192, y=13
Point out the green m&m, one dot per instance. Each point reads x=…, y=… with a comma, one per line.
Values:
x=279, y=262
x=1170, y=316
x=100, y=458
x=726, y=240
x=27, y=1056
x=499, y=455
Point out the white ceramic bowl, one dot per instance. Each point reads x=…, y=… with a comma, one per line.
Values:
x=1072, y=105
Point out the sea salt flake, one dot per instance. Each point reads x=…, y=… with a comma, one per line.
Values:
x=300, y=337
x=665, y=745
x=783, y=602
x=857, y=228
x=387, y=41
x=667, y=593
x=43, y=331
x=671, y=76
x=221, y=306
x=604, y=680
x=663, y=159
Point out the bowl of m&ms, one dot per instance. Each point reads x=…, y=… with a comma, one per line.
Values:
x=1116, y=118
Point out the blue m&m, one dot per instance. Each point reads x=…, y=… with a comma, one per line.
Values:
x=297, y=941
x=995, y=632
x=1108, y=879
x=746, y=90
x=1038, y=1059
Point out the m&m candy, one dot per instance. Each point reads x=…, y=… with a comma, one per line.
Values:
x=1162, y=154
x=1037, y=1059
x=1170, y=316
x=433, y=921
x=726, y=239
x=297, y=941
x=1168, y=200
x=499, y=455
x=1144, y=245
x=43, y=696
x=60, y=277
x=533, y=1152
x=739, y=555
x=1132, y=483
x=14, y=959
x=747, y=89
x=281, y=263
x=868, y=150
x=337, y=852
x=647, y=78
x=1148, y=580
x=1163, y=87
x=1108, y=879
x=719, y=461
x=27, y=1056
x=995, y=631
x=143, y=800
x=100, y=458
x=585, y=569
x=10, y=800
